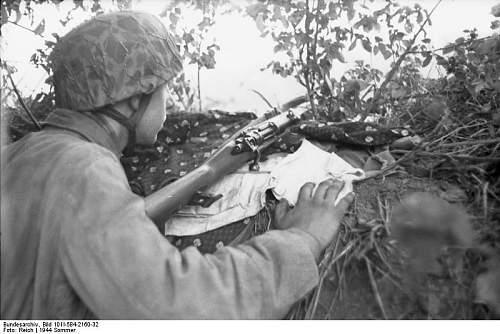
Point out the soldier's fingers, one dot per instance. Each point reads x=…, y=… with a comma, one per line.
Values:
x=320, y=192
x=345, y=202
x=281, y=210
x=305, y=191
x=333, y=191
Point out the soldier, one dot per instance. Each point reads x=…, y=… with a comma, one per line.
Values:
x=76, y=243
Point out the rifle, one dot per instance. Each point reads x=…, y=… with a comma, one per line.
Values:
x=243, y=146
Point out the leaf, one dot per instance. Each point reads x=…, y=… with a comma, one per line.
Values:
x=332, y=11
x=398, y=92
x=385, y=52
x=213, y=46
x=18, y=15
x=441, y=60
x=420, y=17
x=40, y=28
x=173, y=18
x=188, y=37
x=259, y=21
x=408, y=27
x=96, y=7
x=325, y=65
x=78, y=4
x=367, y=45
x=5, y=15
x=204, y=23
x=190, y=99
x=350, y=12
x=296, y=17
x=353, y=45
x=427, y=61
x=495, y=10
x=337, y=54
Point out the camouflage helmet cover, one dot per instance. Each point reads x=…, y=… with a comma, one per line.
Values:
x=112, y=57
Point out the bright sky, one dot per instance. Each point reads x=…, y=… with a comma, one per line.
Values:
x=243, y=52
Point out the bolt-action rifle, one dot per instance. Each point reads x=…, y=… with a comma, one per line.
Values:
x=240, y=148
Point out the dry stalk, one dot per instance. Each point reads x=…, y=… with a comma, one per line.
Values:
x=450, y=155
x=471, y=142
x=485, y=201
x=378, y=298
x=338, y=291
x=21, y=101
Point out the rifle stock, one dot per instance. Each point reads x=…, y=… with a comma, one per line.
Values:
x=164, y=202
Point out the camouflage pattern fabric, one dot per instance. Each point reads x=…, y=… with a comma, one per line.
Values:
x=228, y=235
x=183, y=144
x=351, y=133
x=112, y=57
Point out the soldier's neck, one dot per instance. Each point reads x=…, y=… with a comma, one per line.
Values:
x=120, y=132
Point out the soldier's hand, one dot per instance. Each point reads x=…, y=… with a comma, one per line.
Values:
x=315, y=215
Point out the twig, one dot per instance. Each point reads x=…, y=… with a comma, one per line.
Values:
x=450, y=156
x=307, y=72
x=440, y=139
x=311, y=311
x=473, y=142
x=485, y=201
x=199, y=88
x=344, y=252
x=316, y=33
x=375, y=289
x=32, y=117
x=378, y=93
x=338, y=291
x=388, y=276
x=264, y=98
x=23, y=27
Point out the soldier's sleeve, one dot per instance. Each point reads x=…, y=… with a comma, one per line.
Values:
x=122, y=267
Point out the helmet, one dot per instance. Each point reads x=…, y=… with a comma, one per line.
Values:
x=111, y=58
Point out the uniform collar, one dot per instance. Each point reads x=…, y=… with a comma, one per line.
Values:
x=83, y=124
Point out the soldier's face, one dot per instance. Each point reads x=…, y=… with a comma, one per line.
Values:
x=154, y=117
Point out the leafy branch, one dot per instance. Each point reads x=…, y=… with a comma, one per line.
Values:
x=378, y=93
